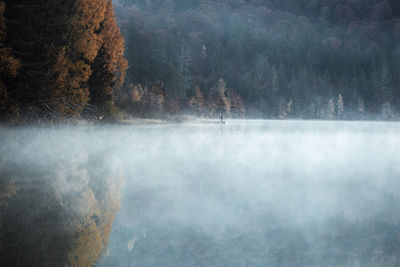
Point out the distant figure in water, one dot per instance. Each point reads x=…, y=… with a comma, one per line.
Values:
x=221, y=117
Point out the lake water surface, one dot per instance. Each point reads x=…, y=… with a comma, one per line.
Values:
x=244, y=193
x=259, y=193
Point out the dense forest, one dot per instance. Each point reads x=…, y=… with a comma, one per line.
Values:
x=317, y=59
x=104, y=60
x=60, y=59
x=268, y=59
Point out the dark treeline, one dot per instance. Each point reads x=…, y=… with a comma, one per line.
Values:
x=59, y=59
x=272, y=59
x=318, y=59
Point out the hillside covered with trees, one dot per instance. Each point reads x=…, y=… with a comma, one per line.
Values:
x=81, y=60
x=267, y=59
x=317, y=59
x=59, y=59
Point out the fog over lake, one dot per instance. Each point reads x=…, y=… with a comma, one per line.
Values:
x=244, y=193
x=259, y=193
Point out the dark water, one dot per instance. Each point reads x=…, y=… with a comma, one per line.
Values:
x=257, y=193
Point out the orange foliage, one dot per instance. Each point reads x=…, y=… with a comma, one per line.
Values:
x=93, y=232
x=79, y=57
x=68, y=96
x=84, y=25
x=81, y=70
x=114, y=46
x=109, y=66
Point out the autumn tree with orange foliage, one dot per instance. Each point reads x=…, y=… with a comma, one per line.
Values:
x=109, y=66
x=72, y=67
x=71, y=53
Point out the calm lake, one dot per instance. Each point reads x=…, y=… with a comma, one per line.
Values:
x=259, y=193
x=243, y=193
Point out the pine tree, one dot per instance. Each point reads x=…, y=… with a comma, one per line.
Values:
x=50, y=46
x=184, y=64
x=84, y=43
x=109, y=66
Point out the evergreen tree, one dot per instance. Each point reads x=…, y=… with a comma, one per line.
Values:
x=184, y=65
x=109, y=66
x=85, y=41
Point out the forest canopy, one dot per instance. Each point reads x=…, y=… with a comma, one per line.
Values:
x=60, y=59
x=317, y=59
